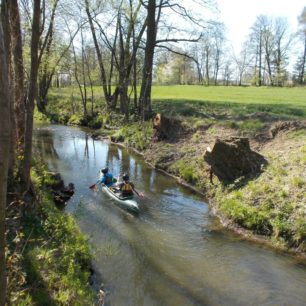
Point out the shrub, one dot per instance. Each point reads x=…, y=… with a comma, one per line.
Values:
x=76, y=120
x=97, y=122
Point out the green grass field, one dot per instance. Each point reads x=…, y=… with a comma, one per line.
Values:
x=231, y=94
x=219, y=103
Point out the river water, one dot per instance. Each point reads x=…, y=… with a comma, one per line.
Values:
x=174, y=252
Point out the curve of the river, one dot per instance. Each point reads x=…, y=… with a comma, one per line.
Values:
x=174, y=252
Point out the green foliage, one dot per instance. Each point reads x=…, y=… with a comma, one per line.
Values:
x=135, y=135
x=77, y=120
x=187, y=171
x=300, y=228
x=246, y=216
x=40, y=117
x=96, y=122
x=56, y=255
x=250, y=126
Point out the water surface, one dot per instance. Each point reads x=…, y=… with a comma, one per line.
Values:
x=174, y=252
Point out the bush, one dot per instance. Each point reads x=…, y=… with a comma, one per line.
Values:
x=97, y=122
x=77, y=120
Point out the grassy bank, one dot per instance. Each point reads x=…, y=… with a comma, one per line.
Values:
x=48, y=259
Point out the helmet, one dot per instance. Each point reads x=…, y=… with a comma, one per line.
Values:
x=125, y=177
x=104, y=170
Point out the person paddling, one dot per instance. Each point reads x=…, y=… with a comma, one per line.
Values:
x=106, y=178
x=127, y=188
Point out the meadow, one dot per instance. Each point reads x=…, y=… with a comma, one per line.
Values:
x=215, y=103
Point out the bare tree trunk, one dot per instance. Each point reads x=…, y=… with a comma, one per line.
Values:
x=107, y=95
x=260, y=64
x=4, y=158
x=84, y=78
x=302, y=77
x=90, y=83
x=207, y=66
x=32, y=94
x=145, y=108
x=18, y=76
x=5, y=13
x=43, y=84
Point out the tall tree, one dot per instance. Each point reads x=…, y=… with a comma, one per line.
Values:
x=282, y=43
x=154, y=14
x=31, y=95
x=45, y=54
x=4, y=157
x=19, y=77
x=7, y=32
x=256, y=48
x=145, y=109
x=302, y=58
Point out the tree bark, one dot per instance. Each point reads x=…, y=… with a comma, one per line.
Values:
x=145, y=109
x=6, y=22
x=302, y=77
x=31, y=95
x=18, y=76
x=4, y=158
x=260, y=64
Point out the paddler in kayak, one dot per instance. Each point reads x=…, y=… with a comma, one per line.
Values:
x=106, y=177
x=127, y=188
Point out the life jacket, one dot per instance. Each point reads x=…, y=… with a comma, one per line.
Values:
x=126, y=188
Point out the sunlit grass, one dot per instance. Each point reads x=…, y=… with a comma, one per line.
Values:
x=230, y=94
x=202, y=101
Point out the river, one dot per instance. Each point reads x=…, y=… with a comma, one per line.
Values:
x=174, y=252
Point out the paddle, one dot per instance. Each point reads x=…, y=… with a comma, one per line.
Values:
x=140, y=194
x=93, y=186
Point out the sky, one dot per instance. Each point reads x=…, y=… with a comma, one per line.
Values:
x=239, y=15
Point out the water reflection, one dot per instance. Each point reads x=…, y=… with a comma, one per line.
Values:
x=168, y=255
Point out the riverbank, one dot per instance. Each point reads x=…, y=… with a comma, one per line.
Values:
x=271, y=205
x=48, y=259
x=269, y=208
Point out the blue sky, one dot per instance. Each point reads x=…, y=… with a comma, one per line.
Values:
x=239, y=15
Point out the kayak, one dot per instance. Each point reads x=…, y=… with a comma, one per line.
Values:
x=125, y=202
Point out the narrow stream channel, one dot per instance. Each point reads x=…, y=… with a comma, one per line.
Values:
x=174, y=253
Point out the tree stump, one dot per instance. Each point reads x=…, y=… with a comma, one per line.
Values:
x=166, y=128
x=233, y=158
